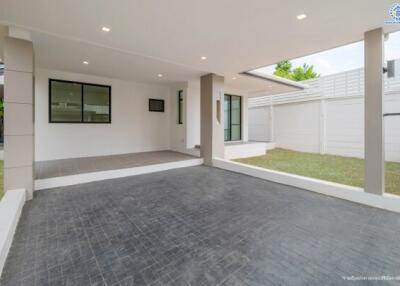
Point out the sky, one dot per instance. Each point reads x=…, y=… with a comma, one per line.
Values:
x=343, y=58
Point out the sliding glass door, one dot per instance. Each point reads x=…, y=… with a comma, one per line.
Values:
x=233, y=117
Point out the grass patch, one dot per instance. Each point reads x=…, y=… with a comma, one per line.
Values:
x=338, y=169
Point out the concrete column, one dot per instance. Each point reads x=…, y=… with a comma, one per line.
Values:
x=212, y=117
x=374, y=181
x=18, y=115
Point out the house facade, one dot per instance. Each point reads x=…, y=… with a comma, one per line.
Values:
x=117, y=89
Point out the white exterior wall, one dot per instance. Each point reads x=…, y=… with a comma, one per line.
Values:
x=193, y=115
x=392, y=127
x=345, y=127
x=133, y=127
x=185, y=136
x=260, y=124
x=335, y=103
x=296, y=126
x=178, y=131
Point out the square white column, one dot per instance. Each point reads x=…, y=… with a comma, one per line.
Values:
x=18, y=115
x=212, y=117
x=374, y=181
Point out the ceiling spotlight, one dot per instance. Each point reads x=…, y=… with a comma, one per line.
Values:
x=234, y=78
x=301, y=16
x=203, y=58
x=106, y=29
x=160, y=75
x=85, y=62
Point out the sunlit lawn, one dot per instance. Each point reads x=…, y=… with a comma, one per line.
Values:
x=343, y=170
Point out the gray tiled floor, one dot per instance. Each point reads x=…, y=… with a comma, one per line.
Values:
x=198, y=226
x=73, y=166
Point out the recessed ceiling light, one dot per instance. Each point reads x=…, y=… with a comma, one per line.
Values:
x=85, y=62
x=203, y=58
x=106, y=29
x=160, y=75
x=234, y=78
x=301, y=16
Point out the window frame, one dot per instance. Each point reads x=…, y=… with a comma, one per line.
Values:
x=159, y=100
x=82, y=84
x=180, y=109
x=230, y=117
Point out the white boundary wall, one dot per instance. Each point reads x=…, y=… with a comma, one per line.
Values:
x=328, y=118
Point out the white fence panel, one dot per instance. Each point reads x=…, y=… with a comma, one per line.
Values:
x=345, y=127
x=259, y=124
x=392, y=127
x=296, y=126
x=298, y=117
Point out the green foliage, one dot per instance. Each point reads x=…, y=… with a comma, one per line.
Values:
x=284, y=69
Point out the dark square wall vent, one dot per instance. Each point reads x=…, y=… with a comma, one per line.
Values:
x=156, y=105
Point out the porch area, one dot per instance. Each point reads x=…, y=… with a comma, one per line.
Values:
x=74, y=166
x=198, y=226
x=56, y=173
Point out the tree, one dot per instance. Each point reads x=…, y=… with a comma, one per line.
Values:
x=284, y=69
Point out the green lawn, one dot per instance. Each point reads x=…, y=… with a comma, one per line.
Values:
x=343, y=170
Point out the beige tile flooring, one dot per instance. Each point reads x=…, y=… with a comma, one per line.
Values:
x=74, y=166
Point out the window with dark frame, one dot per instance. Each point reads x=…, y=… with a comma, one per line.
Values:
x=232, y=117
x=78, y=102
x=180, y=107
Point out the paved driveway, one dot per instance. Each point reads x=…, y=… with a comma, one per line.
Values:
x=198, y=226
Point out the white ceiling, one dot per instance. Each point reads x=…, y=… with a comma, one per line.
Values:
x=149, y=37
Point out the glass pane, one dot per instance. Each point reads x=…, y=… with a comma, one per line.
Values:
x=235, y=132
x=66, y=102
x=96, y=103
x=227, y=118
x=227, y=135
x=235, y=109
